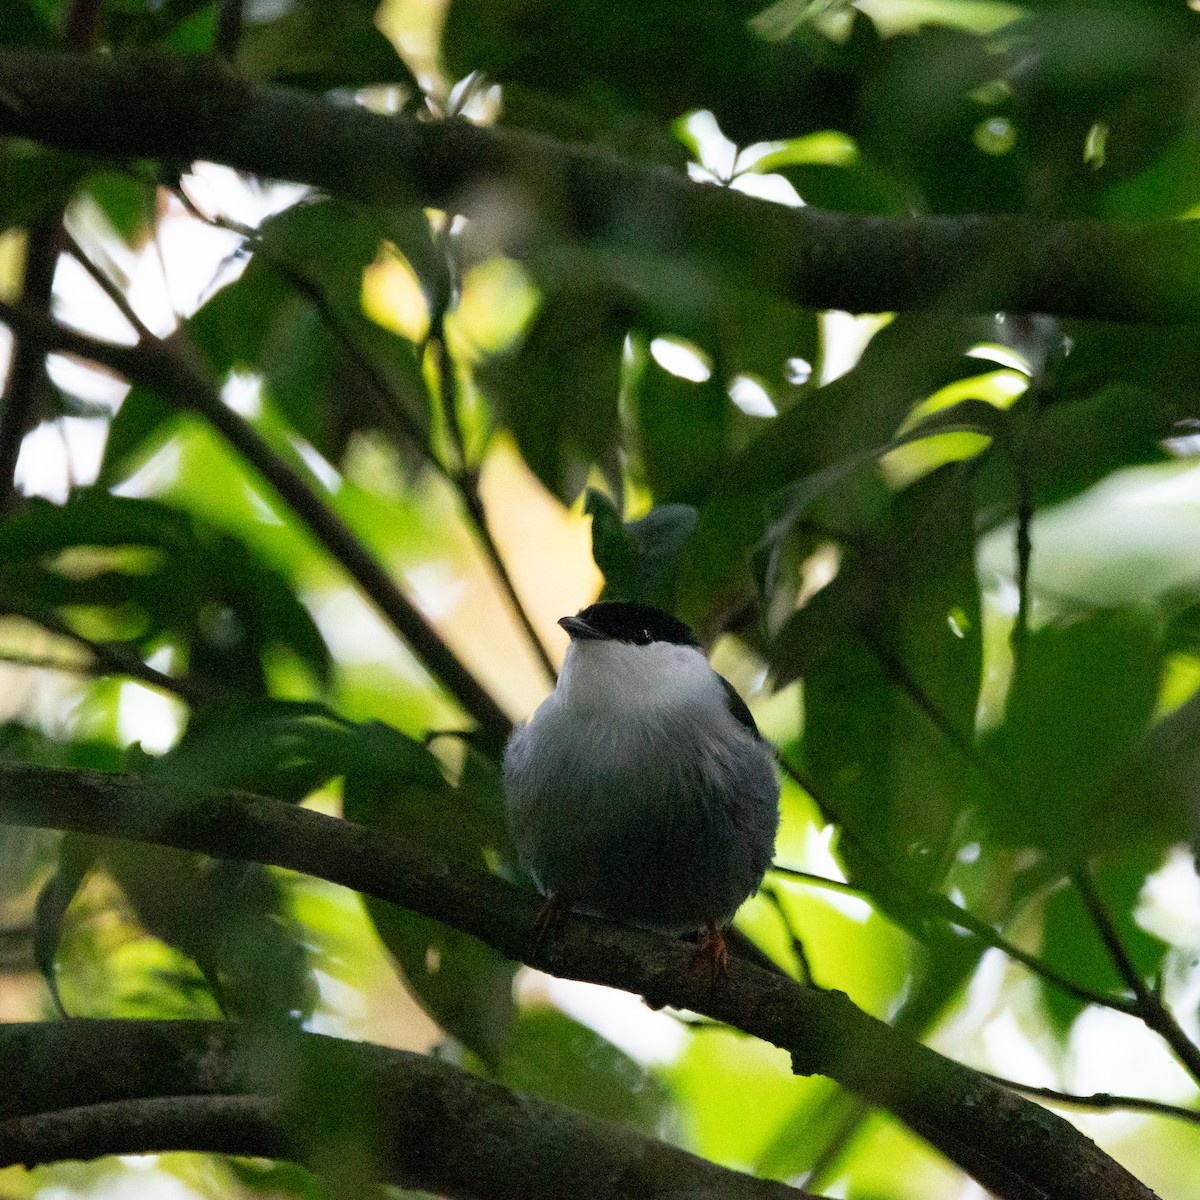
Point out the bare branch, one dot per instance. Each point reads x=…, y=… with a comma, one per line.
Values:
x=1014, y=1148
x=183, y=108
x=1101, y=1100
x=131, y=1087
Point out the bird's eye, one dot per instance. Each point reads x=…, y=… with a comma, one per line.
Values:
x=642, y=638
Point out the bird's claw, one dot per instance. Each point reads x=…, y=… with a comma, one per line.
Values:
x=549, y=916
x=714, y=950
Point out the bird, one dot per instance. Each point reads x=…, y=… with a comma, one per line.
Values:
x=641, y=789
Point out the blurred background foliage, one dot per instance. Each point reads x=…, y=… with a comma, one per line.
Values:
x=950, y=560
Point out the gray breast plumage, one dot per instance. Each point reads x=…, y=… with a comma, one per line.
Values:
x=667, y=820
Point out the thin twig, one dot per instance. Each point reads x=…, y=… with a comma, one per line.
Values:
x=1101, y=1100
x=391, y=407
x=466, y=482
x=107, y=286
x=81, y=26
x=228, y=32
x=776, y=902
x=114, y=659
x=1149, y=1006
x=942, y=907
x=1024, y=466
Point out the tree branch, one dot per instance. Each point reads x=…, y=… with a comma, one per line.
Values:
x=1014, y=1148
x=186, y=108
x=1150, y=1006
x=172, y=367
x=1101, y=1100
x=944, y=909
x=82, y=1088
x=389, y=407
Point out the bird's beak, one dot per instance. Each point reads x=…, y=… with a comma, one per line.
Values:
x=577, y=627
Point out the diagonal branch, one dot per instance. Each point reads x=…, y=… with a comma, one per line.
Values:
x=944, y=909
x=129, y=1087
x=1014, y=1148
x=1149, y=1005
x=184, y=108
x=390, y=408
x=174, y=369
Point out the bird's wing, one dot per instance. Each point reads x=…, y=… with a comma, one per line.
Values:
x=737, y=706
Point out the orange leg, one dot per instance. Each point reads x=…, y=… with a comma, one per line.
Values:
x=713, y=948
x=549, y=915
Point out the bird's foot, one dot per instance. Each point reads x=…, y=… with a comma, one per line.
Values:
x=714, y=950
x=549, y=916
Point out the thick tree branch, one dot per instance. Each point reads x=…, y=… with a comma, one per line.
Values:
x=188, y=108
x=1014, y=1148
x=82, y=1088
x=174, y=368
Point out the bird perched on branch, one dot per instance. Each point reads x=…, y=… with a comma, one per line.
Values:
x=641, y=789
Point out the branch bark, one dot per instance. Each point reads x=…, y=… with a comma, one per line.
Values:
x=82, y=1088
x=1016, y=1149
x=178, y=108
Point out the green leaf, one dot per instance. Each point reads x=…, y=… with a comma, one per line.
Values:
x=142, y=424
x=394, y=784
x=558, y=391
x=278, y=748
x=138, y=571
x=129, y=203
x=295, y=317
x=852, y=188
x=556, y=1058
x=909, y=360
x=26, y=25
x=638, y=559
x=35, y=183
x=617, y=61
x=464, y=985
x=230, y=918
x=1072, y=946
x=681, y=430
x=322, y=44
x=76, y=858
x=890, y=695
x=1082, y=696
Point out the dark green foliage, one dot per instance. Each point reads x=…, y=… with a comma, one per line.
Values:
x=395, y=784
x=1073, y=946
x=34, y=182
x=295, y=315
x=891, y=664
x=1081, y=698
x=861, y=552
x=558, y=390
x=321, y=44
x=556, y=1058
x=137, y=576
x=639, y=557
